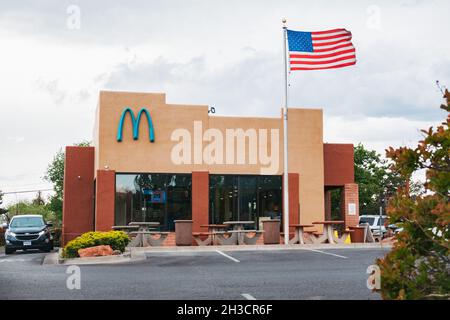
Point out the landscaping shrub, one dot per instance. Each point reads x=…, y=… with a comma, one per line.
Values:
x=2, y=237
x=118, y=240
x=418, y=266
x=56, y=232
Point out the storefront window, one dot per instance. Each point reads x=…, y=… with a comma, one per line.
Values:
x=244, y=198
x=153, y=197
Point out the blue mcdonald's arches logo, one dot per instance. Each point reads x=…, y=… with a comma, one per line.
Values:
x=135, y=122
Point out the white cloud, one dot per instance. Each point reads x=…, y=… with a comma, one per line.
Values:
x=377, y=133
x=227, y=54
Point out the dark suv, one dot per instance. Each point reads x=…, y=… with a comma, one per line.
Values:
x=28, y=232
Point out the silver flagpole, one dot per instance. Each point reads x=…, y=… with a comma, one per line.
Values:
x=285, y=138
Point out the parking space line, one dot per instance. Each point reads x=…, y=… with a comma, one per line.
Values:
x=331, y=254
x=15, y=260
x=229, y=257
x=248, y=296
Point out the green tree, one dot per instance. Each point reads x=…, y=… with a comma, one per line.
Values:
x=376, y=182
x=55, y=175
x=31, y=207
x=2, y=211
x=39, y=200
x=418, y=266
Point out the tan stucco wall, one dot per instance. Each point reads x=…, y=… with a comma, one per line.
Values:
x=305, y=131
x=305, y=142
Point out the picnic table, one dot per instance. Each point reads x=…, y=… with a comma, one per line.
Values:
x=145, y=239
x=214, y=227
x=125, y=228
x=299, y=232
x=238, y=234
x=212, y=230
x=238, y=225
x=211, y=234
x=144, y=235
x=327, y=235
x=144, y=225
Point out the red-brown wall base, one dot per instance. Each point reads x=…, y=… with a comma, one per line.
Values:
x=200, y=200
x=105, y=200
x=294, y=203
x=328, y=205
x=78, y=202
x=350, y=204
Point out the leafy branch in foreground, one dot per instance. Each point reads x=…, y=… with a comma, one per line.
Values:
x=418, y=266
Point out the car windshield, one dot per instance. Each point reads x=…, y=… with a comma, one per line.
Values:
x=366, y=220
x=27, y=222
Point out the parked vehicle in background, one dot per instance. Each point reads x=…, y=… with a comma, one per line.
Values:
x=395, y=228
x=375, y=223
x=28, y=232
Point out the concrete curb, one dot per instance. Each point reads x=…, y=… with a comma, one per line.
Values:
x=55, y=259
x=141, y=251
x=51, y=258
x=135, y=254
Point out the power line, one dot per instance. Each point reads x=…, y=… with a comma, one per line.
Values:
x=27, y=185
x=27, y=191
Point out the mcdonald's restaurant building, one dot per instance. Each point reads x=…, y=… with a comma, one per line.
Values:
x=154, y=161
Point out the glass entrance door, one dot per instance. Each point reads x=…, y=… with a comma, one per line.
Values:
x=247, y=193
x=244, y=198
x=223, y=199
x=153, y=197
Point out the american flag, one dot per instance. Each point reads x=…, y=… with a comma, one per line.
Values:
x=320, y=50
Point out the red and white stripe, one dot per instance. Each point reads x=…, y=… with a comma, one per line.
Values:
x=332, y=49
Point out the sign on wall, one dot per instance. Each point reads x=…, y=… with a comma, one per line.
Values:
x=352, y=209
x=135, y=121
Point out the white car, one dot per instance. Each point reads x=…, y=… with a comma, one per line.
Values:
x=396, y=229
x=374, y=222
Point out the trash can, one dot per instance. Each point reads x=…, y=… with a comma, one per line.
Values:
x=358, y=234
x=271, y=231
x=183, y=232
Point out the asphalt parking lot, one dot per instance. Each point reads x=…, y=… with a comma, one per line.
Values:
x=235, y=275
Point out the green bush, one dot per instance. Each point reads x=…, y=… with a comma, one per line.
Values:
x=118, y=240
x=56, y=232
x=2, y=237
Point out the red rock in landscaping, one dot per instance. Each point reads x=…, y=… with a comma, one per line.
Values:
x=96, y=251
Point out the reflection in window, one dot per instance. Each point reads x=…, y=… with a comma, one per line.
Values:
x=244, y=198
x=153, y=197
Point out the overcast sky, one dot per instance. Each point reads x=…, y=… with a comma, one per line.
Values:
x=226, y=54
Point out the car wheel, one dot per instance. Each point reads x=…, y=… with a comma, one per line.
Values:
x=9, y=251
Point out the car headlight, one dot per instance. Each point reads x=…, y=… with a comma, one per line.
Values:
x=10, y=233
x=41, y=233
